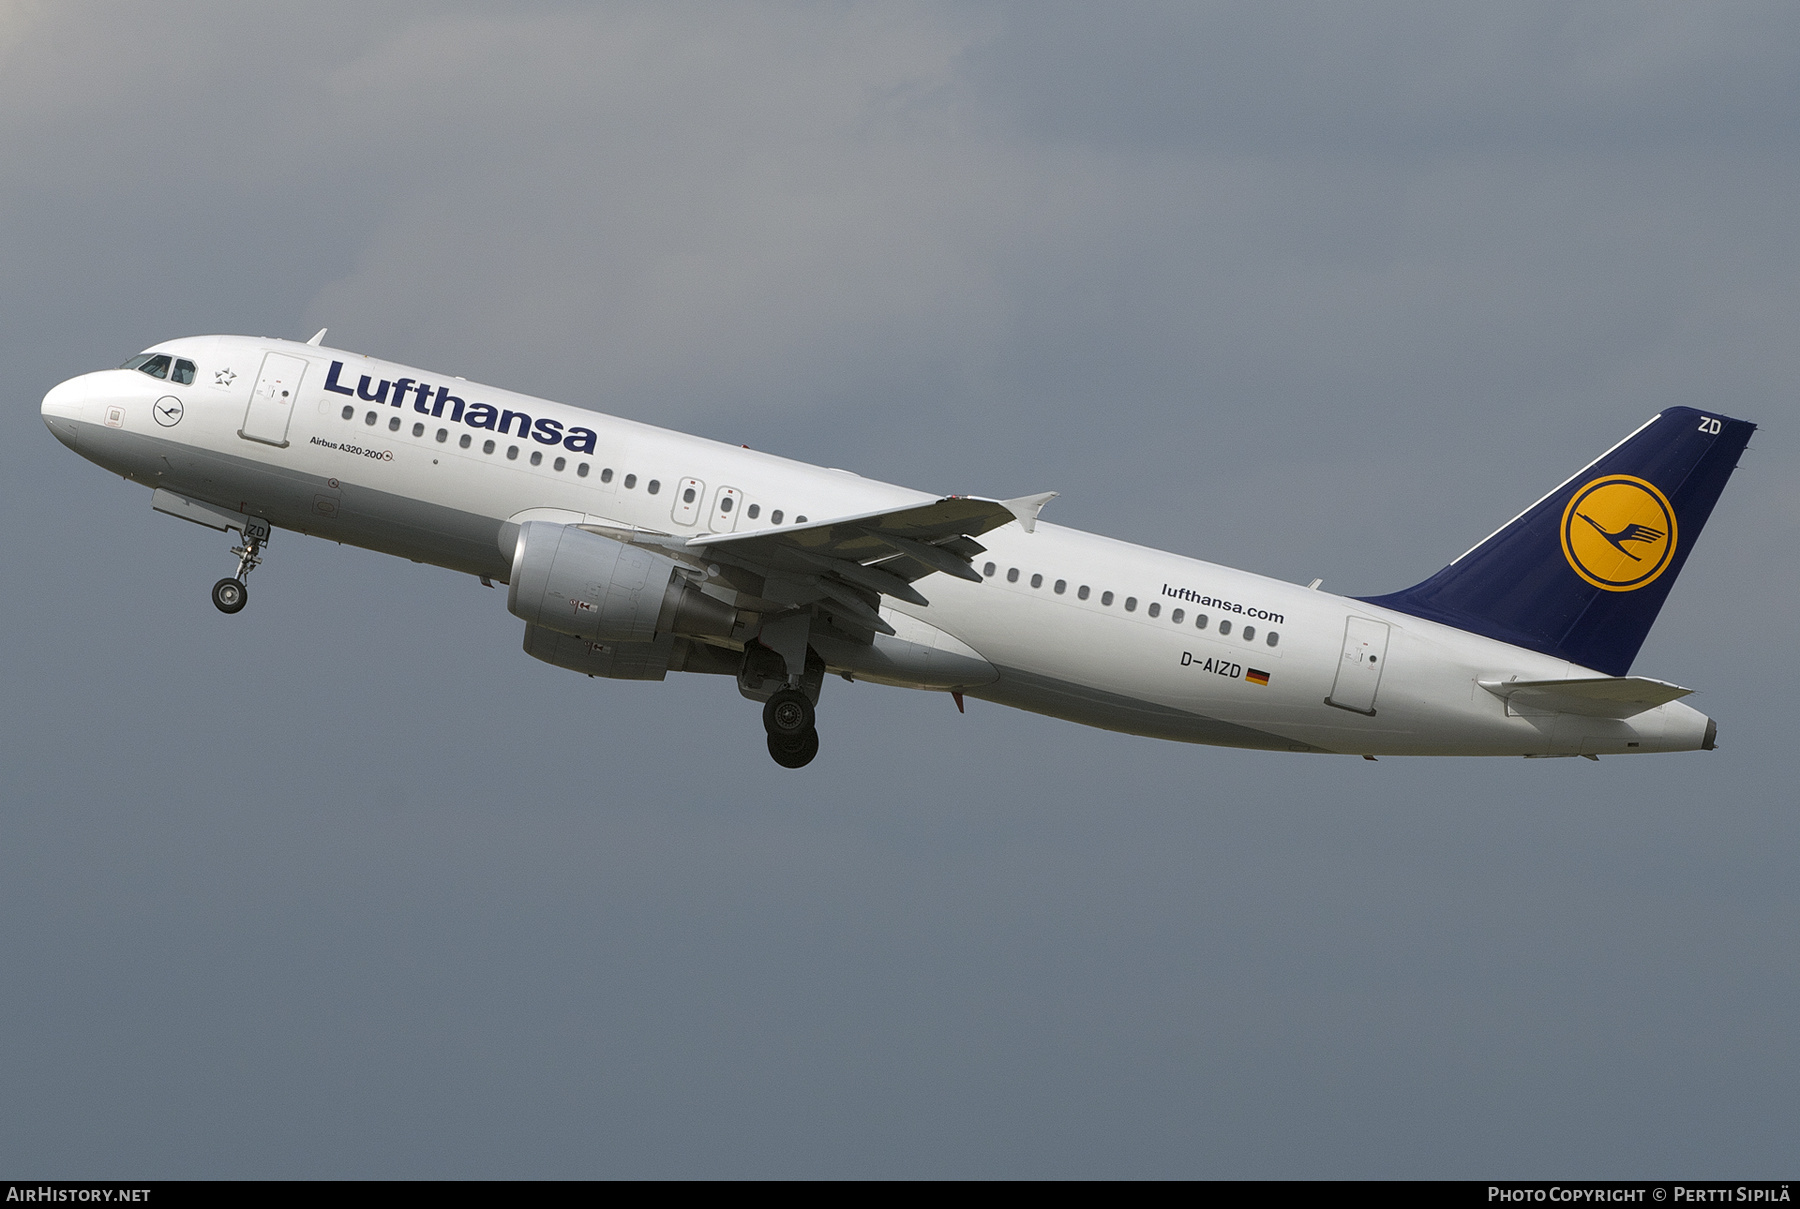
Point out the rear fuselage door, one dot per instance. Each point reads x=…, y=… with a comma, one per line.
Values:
x=688, y=493
x=1359, y=666
x=725, y=509
x=272, y=401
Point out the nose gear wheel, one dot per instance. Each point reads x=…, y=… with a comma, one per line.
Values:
x=230, y=595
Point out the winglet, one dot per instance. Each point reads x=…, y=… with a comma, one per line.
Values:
x=1027, y=507
x=318, y=336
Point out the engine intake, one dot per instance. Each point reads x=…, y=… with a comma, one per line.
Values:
x=579, y=583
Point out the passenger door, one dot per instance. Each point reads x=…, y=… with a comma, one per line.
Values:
x=1359, y=666
x=272, y=401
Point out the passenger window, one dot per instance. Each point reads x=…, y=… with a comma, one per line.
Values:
x=443, y=434
x=418, y=430
x=799, y=520
x=687, y=497
x=1131, y=604
x=1175, y=617
x=1062, y=585
x=559, y=463
x=1155, y=608
x=775, y=517
x=1081, y=593
x=465, y=440
x=630, y=481
x=184, y=373
x=724, y=504
x=1106, y=598
x=653, y=487
x=988, y=570
x=394, y=424
x=487, y=447
x=537, y=459
x=1199, y=621
x=1037, y=581
x=581, y=470
x=512, y=453
x=753, y=510
x=605, y=475
x=1225, y=627
x=1249, y=633
x=1273, y=638
x=349, y=411
x=1012, y=575
x=370, y=419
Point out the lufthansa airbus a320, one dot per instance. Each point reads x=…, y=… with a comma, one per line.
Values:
x=630, y=552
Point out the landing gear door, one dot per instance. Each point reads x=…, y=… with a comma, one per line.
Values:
x=272, y=401
x=1359, y=666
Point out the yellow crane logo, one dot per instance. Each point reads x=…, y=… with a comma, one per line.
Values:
x=1618, y=532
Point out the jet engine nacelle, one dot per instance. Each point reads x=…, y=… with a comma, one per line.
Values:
x=579, y=583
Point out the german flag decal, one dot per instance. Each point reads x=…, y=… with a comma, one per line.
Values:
x=1256, y=677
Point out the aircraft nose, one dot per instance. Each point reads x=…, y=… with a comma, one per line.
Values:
x=65, y=398
x=63, y=407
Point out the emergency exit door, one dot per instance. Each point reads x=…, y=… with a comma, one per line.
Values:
x=689, y=500
x=1360, y=666
x=726, y=506
x=272, y=399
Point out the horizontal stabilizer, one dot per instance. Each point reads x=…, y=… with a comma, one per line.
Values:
x=1591, y=697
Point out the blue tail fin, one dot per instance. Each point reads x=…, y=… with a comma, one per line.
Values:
x=1582, y=573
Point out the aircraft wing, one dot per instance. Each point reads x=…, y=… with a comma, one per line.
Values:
x=846, y=564
x=938, y=536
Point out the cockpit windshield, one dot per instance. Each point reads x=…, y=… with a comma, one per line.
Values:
x=154, y=364
x=157, y=366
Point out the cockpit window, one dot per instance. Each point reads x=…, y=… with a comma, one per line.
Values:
x=184, y=373
x=154, y=364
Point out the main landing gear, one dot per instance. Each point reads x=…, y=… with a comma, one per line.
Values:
x=785, y=674
x=230, y=595
x=788, y=717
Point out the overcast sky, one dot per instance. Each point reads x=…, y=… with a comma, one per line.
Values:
x=347, y=885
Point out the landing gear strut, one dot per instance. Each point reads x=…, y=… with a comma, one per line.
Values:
x=230, y=595
x=788, y=717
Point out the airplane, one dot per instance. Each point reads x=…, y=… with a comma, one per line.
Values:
x=631, y=551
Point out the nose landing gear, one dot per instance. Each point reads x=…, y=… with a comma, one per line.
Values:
x=230, y=595
x=788, y=717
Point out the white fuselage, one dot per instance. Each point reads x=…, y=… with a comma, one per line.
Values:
x=1107, y=649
